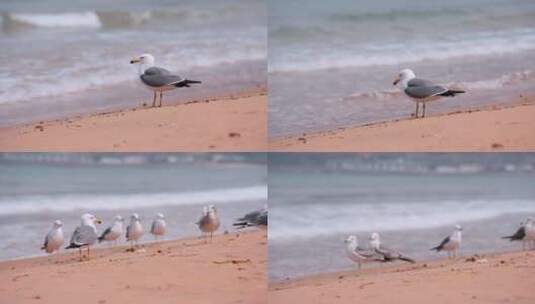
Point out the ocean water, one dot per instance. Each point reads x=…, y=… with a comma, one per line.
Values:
x=413, y=201
x=61, y=58
x=332, y=64
x=36, y=189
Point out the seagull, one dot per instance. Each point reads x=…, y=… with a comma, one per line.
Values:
x=526, y=234
x=158, y=79
x=421, y=90
x=85, y=234
x=209, y=221
x=54, y=239
x=389, y=255
x=255, y=218
x=451, y=243
x=159, y=226
x=113, y=232
x=360, y=255
x=134, y=231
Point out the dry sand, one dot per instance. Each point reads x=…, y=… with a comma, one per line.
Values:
x=500, y=278
x=225, y=124
x=230, y=270
x=494, y=129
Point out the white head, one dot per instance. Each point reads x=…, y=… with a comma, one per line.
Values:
x=160, y=216
x=212, y=209
x=352, y=240
x=57, y=224
x=143, y=59
x=134, y=217
x=375, y=240
x=90, y=220
x=458, y=228
x=404, y=76
x=118, y=218
x=529, y=221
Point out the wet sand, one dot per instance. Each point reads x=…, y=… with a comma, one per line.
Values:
x=496, y=278
x=232, y=269
x=219, y=124
x=493, y=129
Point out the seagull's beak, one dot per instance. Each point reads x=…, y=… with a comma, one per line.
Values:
x=98, y=221
x=135, y=60
x=396, y=81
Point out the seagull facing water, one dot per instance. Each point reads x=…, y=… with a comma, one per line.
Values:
x=159, y=226
x=158, y=79
x=134, y=231
x=389, y=255
x=526, y=234
x=113, y=232
x=209, y=221
x=451, y=243
x=421, y=90
x=54, y=239
x=360, y=255
x=85, y=234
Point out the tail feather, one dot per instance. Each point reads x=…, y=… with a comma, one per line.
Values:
x=451, y=93
x=438, y=248
x=186, y=83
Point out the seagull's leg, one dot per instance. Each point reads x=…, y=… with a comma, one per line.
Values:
x=360, y=266
x=88, y=255
x=211, y=236
x=80, y=252
x=417, y=108
x=154, y=100
x=161, y=95
x=423, y=113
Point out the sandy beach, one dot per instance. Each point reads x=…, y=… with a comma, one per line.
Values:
x=230, y=270
x=497, y=278
x=221, y=124
x=494, y=129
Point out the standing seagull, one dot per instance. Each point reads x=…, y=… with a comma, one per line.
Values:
x=85, y=234
x=360, y=255
x=113, y=232
x=451, y=243
x=255, y=218
x=421, y=90
x=159, y=226
x=389, y=255
x=158, y=79
x=526, y=234
x=209, y=222
x=134, y=231
x=54, y=239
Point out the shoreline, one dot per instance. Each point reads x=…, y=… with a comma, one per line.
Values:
x=235, y=122
x=232, y=268
x=494, y=128
x=475, y=278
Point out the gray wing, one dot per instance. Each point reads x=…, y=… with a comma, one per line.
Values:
x=421, y=88
x=203, y=221
x=103, y=235
x=392, y=255
x=425, y=92
x=158, y=77
x=45, y=242
x=369, y=254
x=83, y=235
